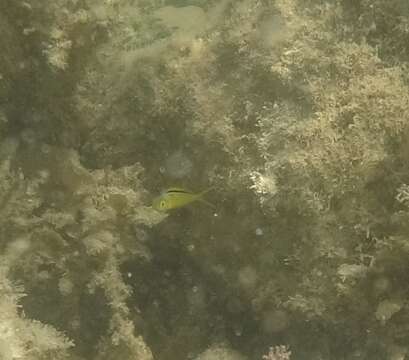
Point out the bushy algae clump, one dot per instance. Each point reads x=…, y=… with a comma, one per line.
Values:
x=295, y=112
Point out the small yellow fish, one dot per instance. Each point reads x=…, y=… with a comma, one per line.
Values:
x=174, y=198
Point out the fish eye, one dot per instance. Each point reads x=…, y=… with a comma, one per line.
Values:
x=162, y=204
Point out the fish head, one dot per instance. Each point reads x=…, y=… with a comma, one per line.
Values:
x=160, y=203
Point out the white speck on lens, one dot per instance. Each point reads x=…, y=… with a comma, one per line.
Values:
x=259, y=231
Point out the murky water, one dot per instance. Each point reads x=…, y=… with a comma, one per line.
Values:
x=295, y=115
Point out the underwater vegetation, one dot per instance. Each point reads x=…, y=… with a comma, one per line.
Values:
x=296, y=115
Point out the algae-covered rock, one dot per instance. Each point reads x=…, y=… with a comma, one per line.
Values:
x=294, y=113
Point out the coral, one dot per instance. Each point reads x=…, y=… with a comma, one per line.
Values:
x=220, y=352
x=121, y=341
x=278, y=353
x=22, y=338
x=81, y=214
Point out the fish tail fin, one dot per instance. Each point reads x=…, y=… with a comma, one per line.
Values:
x=204, y=201
x=208, y=203
x=206, y=191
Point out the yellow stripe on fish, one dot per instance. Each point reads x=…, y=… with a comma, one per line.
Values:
x=174, y=198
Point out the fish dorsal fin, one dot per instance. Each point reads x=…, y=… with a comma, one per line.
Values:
x=177, y=190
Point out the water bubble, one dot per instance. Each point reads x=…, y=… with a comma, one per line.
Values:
x=178, y=165
x=247, y=277
x=65, y=286
x=274, y=321
x=381, y=285
x=75, y=324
